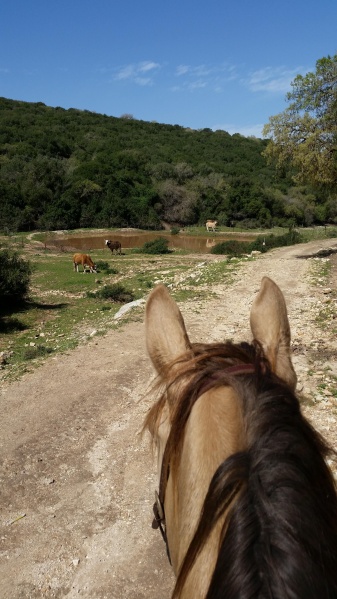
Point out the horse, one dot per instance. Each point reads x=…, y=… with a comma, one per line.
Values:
x=246, y=503
x=86, y=262
x=211, y=225
x=114, y=245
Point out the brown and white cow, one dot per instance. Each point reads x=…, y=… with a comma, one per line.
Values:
x=114, y=245
x=211, y=224
x=86, y=262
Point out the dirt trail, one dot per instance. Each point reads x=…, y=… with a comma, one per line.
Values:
x=77, y=480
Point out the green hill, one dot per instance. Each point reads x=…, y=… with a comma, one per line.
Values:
x=62, y=169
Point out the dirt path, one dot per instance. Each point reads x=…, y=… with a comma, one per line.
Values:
x=77, y=481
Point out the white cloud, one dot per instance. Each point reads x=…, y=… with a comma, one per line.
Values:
x=144, y=67
x=199, y=84
x=273, y=80
x=144, y=81
x=182, y=69
x=134, y=72
x=126, y=72
x=201, y=76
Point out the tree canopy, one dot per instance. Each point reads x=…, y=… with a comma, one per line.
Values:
x=304, y=136
x=65, y=169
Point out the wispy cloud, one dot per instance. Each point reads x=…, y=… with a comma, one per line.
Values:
x=201, y=76
x=144, y=81
x=146, y=66
x=4, y=71
x=182, y=69
x=214, y=77
x=135, y=72
x=274, y=80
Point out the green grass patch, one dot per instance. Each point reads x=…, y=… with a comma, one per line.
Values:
x=65, y=308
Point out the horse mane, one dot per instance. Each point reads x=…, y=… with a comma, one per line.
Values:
x=279, y=539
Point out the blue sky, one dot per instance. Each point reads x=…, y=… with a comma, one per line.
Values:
x=216, y=64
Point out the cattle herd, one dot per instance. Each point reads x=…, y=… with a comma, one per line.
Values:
x=116, y=246
x=86, y=261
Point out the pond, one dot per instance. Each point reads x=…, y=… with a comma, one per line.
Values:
x=136, y=239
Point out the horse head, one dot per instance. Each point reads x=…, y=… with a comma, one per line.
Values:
x=231, y=483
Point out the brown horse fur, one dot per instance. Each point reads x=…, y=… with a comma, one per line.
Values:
x=250, y=504
x=85, y=260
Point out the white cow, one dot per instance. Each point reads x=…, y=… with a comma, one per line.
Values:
x=211, y=224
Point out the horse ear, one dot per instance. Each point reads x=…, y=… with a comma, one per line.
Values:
x=270, y=327
x=166, y=336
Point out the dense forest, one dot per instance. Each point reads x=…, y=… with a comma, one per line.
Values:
x=64, y=169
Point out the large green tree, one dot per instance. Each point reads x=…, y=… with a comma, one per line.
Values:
x=304, y=136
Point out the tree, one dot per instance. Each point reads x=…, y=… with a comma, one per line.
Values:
x=304, y=136
x=14, y=278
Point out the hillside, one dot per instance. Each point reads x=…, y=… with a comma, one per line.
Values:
x=62, y=169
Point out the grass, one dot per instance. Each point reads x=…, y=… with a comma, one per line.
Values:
x=66, y=308
x=326, y=317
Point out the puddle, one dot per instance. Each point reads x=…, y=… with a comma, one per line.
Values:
x=190, y=243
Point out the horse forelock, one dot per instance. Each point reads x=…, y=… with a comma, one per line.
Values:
x=206, y=368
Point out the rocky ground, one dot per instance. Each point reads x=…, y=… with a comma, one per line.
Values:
x=77, y=479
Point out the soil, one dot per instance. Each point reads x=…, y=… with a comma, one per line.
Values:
x=77, y=478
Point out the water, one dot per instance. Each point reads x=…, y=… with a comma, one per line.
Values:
x=190, y=243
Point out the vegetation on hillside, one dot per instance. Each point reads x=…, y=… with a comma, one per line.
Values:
x=64, y=169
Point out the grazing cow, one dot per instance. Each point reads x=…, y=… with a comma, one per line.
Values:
x=114, y=245
x=86, y=262
x=211, y=224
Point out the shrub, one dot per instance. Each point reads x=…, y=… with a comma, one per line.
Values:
x=38, y=351
x=175, y=230
x=15, y=276
x=261, y=243
x=101, y=265
x=157, y=246
x=268, y=242
x=115, y=293
x=231, y=248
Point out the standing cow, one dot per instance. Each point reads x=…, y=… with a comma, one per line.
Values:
x=211, y=224
x=114, y=245
x=86, y=262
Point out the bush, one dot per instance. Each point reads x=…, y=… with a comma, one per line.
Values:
x=265, y=243
x=231, y=248
x=39, y=351
x=101, y=265
x=157, y=246
x=115, y=293
x=261, y=243
x=15, y=276
x=175, y=231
